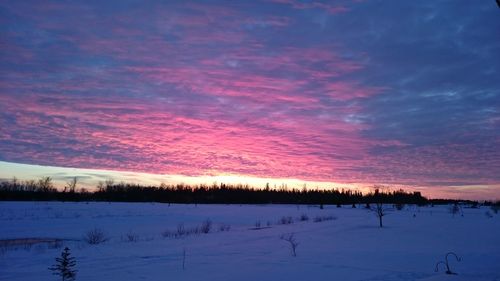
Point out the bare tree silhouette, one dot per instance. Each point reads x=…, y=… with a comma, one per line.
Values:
x=71, y=185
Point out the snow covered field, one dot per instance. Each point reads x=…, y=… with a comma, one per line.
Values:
x=349, y=247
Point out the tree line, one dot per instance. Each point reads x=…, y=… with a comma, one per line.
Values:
x=44, y=190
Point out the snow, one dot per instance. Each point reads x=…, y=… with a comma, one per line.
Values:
x=350, y=247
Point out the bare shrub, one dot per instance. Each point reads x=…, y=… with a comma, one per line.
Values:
x=257, y=224
x=224, y=227
x=168, y=234
x=455, y=209
x=324, y=218
x=131, y=237
x=27, y=246
x=95, y=236
x=181, y=231
x=304, y=217
x=290, y=238
x=194, y=230
x=285, y=220
x=206, y=226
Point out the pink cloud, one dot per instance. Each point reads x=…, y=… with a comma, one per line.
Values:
x=198, y=89
x=328, y=7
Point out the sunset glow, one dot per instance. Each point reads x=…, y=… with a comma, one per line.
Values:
x=328, y=94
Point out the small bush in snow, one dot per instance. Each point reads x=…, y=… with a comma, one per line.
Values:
x=454, y=209
x=181, y=231
x=167, y=234
x=224, y=227
x=323, y=218
x=95, y=236
x=399, y=206
x=286, y=220
x=206, y=226
x=304, y=217
x=257, y=224
x=446, y=263
x=131, y=237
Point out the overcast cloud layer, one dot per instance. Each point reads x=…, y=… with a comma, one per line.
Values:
x=398, y=92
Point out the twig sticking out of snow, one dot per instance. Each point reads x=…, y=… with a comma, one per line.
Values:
x=183, y=258
x=448, y=270
x=290, y=238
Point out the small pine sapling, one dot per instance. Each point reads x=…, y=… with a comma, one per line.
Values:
x=64, y=266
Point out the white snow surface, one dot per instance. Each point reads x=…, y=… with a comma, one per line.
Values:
x=350, y=247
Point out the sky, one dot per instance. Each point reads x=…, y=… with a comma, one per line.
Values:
x=326, y=93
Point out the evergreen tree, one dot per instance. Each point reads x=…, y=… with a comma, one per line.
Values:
x=64, y=266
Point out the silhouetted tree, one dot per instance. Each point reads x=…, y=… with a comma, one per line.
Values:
x=45, y=184
x=379, y=197
x=71, y=185
x=380, y=211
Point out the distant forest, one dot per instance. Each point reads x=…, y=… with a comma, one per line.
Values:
x=44, y=190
